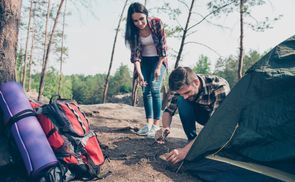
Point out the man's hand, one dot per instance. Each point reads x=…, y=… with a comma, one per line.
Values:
x=179, y=154
x=161, y=135
x=176, y=155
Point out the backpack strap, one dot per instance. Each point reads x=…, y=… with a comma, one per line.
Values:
x=77, y=116
x=51, y=132
x=83, y=113
x=53, y=108
x=54, y=98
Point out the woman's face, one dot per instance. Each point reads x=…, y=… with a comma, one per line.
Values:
x=139, y=20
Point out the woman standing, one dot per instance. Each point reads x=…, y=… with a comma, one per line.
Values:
x=147, y=41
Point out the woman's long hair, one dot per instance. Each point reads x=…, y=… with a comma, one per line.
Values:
x=131, y=32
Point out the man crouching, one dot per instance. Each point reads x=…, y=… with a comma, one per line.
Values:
x=196, y=97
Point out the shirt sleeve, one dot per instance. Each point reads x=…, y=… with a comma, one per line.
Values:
x=135, y=55
x=172, y=106
x=162, y=38
x=220, y=95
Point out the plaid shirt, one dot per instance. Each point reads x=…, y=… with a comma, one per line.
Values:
x=159, y=38
x=213, y=92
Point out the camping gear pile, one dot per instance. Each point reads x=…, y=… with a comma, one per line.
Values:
x=53, y=140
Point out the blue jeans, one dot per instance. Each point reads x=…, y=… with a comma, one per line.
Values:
x=190, y=113
x=151, y=92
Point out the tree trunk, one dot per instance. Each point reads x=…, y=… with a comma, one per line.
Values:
x=18, y=68
x=241, y=54
x=43, y=73
x=31, y=62
x=106, y=84
x=9, y=24
x=31, y=51
x=46, y=32
x=166, y=95
x=62, y=50
x=184, y=35
x=23, y=81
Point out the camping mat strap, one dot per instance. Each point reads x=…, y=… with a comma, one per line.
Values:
x=20, y=115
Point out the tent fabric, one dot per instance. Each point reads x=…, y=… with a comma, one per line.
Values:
x=223, y=172
x=256, y=122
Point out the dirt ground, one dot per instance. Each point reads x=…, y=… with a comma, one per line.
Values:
x=131, y=157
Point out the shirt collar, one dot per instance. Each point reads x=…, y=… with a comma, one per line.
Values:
x=203, y=88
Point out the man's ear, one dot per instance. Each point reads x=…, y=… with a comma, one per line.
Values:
x=196, y=81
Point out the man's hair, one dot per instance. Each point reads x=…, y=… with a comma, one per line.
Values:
x=180, y=77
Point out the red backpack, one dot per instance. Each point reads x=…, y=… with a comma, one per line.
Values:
x=68, y=132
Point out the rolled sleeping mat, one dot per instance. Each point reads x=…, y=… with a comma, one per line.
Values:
x=25, y=129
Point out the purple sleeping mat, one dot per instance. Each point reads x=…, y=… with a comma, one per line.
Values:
x=26, y=131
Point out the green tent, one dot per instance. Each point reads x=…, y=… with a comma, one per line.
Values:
x=253, y=131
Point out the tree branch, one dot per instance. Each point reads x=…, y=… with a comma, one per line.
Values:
x=204, y=18
x=217, y=25
x=213, y=50
x=182, y=2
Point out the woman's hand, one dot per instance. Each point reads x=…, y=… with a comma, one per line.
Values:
x=157, y=74
x=141, y=81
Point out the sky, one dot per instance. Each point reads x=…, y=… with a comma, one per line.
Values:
x=90, y=35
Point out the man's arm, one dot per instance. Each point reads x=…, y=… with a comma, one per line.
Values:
x=166, y=120
x=179, y=154
x=165, y=130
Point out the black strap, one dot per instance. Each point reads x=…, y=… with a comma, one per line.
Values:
x=54, y=98
x=21, y=115
x=51, y=132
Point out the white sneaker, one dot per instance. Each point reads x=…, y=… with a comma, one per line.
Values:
x=144, y=130
x=152, y=132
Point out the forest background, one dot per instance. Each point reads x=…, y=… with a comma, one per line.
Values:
x=87, y=41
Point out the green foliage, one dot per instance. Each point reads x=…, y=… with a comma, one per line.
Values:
x=227, y=68
x=84, y=89
x=51, y=84
x=121, y=82
x=66, y=87
x=87, y=89
x=203, y=65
